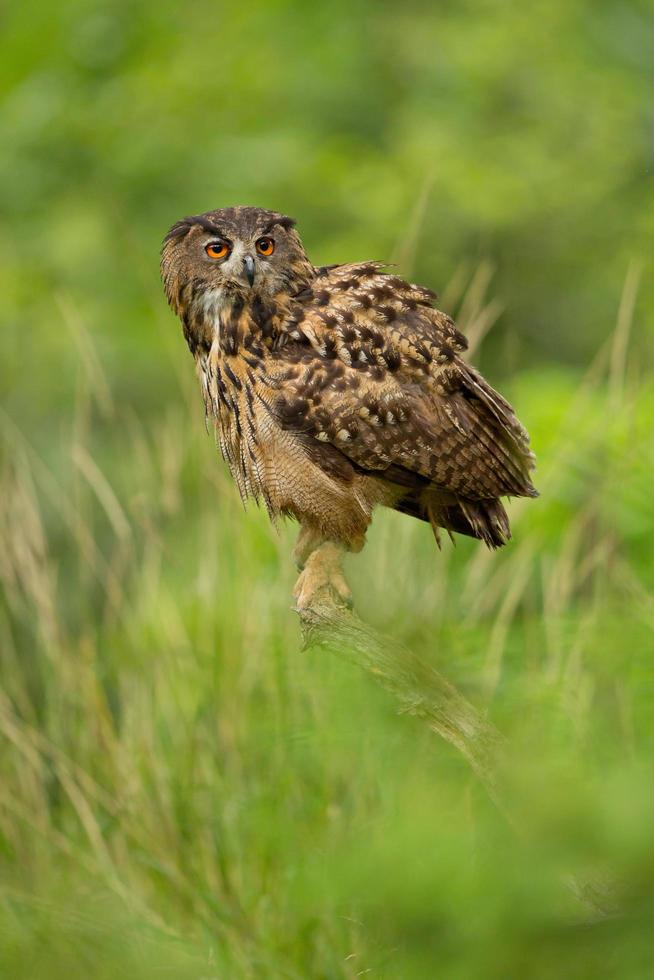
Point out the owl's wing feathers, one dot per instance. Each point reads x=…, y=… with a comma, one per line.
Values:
x=368, y=367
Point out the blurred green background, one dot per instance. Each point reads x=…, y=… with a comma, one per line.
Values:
x=183, y=791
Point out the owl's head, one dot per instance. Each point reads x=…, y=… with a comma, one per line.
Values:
x=240, y=252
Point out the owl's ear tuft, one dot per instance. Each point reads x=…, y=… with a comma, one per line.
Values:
x=179, y=230
x=281, y=220
x=286, y=222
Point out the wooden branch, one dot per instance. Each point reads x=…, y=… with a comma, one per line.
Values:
x=328, y=623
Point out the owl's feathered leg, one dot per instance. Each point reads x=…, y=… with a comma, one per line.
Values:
x=321, y=567
x=308, y=540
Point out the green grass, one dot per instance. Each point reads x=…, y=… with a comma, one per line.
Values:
x=186, y=792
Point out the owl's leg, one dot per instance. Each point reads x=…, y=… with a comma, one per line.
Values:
x=322, y=568
x=308, y=540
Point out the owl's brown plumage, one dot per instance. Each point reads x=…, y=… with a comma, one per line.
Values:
x=335, y=389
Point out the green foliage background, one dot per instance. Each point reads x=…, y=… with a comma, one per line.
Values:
x=183, y=791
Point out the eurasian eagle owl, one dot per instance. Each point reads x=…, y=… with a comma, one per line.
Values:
x=337, y=388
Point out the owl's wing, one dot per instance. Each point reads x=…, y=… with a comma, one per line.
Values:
x=366, y=365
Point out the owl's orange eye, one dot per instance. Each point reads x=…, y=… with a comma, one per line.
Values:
x=217, y=250
x=265, y=246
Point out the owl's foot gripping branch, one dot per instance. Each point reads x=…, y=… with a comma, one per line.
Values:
x=322, y=573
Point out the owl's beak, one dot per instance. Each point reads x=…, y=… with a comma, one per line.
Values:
x=250, y=269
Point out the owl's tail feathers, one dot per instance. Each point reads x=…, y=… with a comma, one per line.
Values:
x=483, y=519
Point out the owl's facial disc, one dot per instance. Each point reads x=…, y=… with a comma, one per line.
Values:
x=231, y=255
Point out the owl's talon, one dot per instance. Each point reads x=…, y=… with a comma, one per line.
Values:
x=308, y=587
x=322, y=572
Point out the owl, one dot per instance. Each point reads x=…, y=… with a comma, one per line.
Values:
x=335, y=389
